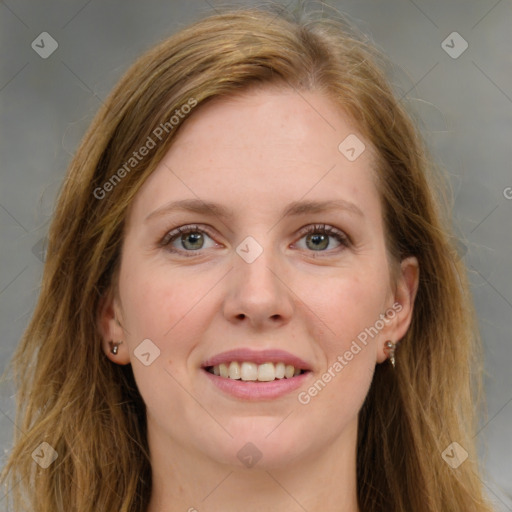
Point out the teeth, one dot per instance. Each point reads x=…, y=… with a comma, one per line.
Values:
x=280, y=370
x=248, y=371
x=234, y=370
x=266, y=372
x=224, y=371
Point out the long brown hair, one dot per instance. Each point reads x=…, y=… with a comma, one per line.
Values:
x=90, y=411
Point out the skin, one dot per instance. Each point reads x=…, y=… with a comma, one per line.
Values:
x=255, y=153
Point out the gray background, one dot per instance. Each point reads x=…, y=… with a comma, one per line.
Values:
x=465, y=104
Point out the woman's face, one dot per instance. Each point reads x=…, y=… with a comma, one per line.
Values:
x=246, y=277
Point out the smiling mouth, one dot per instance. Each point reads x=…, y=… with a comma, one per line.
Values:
x=248, y=371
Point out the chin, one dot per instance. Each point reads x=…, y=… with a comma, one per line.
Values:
x=262, y=443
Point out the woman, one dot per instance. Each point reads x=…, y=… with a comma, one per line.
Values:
x=250, y=290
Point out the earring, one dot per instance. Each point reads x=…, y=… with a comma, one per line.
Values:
x=114, y=346
x=390, y=346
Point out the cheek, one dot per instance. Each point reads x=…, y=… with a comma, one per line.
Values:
x=348, y=305
x=349, y=309
x=170, y=307
x=165, y=307
x=157, y=300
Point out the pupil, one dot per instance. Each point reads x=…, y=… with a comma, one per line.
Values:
x=320, y=238
x=193, y=236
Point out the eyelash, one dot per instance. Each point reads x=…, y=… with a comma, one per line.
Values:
x=323, y=229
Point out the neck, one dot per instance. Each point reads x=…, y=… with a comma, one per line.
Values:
x=186, y=480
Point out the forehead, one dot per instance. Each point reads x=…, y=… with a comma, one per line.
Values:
x=268, y=117
x=261, y=149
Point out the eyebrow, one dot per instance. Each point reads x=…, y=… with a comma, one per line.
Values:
x=293, y=209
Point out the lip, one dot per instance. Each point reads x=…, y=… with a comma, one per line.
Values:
x=250, y=390
x=258, y=357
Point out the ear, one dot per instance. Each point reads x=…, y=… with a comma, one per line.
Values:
x=111, y=330
x=400, y=316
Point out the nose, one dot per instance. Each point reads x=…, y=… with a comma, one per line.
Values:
x=259, y=292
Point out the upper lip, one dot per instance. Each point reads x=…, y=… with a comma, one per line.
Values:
x=258, y=357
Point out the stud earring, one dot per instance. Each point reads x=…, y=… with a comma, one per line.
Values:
x=390, y=346
x=114, y=346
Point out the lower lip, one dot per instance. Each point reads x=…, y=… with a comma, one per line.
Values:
x=252, y=390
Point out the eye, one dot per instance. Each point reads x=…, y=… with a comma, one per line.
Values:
x=317, y=237
x=190, y=239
